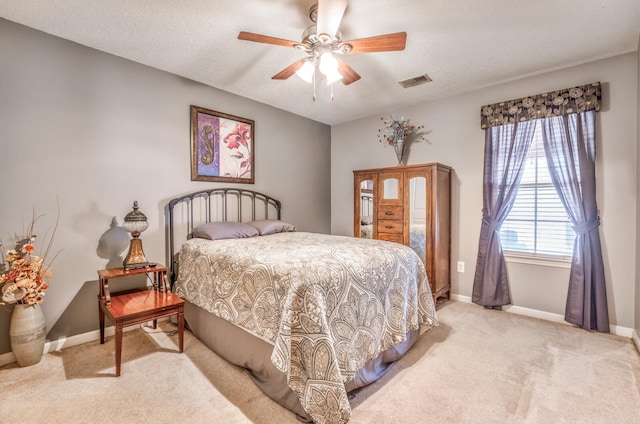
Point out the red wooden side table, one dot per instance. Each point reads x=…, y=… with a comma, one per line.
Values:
x=138, y=305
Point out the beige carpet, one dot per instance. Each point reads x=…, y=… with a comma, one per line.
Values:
x=478, y=366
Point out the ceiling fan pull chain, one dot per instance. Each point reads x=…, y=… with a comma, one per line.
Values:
x=315, y=76
x=331, y=92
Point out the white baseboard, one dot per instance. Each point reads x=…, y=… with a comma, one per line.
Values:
x=7, y=358
x=66, y=342
x=549, y=316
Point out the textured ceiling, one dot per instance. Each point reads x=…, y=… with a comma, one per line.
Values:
x=461, y=44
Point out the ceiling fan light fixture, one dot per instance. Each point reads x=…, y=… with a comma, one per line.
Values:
x=306, y=71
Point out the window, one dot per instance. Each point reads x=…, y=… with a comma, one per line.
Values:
x=538, y=225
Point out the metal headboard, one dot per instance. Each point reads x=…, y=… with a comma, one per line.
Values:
x=216, y=204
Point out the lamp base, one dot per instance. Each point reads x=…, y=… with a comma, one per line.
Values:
x=135, y=258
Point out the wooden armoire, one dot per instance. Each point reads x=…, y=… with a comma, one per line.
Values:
x=410, y=205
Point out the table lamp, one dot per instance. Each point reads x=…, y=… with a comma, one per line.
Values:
x=135, y=222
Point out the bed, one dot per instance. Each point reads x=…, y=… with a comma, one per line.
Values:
x=312, y=317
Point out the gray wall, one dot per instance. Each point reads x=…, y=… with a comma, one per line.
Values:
x=97, y=132
x=457, y=140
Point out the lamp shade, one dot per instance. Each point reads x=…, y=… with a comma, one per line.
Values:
x=135, y=221
x=328, y=63
x=307, y=71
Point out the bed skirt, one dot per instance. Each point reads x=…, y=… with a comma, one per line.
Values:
x=245, y=350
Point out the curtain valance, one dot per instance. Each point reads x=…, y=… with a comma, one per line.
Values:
x=556, y=103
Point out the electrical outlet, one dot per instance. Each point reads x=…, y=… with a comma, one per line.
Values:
x=460, y=266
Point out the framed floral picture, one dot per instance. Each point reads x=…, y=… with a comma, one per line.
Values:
x=222, y=147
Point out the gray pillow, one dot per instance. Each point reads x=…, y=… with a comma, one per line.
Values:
x=224, y=230
x=271, y=226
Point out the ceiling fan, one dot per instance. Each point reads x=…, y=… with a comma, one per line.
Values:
x=322, y=42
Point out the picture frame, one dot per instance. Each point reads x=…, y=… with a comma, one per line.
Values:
x=222, y=147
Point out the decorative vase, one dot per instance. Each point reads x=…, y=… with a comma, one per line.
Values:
x=398, y=145
x=27, y=333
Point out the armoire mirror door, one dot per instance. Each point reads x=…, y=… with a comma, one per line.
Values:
x=417, y=211
x=421, y=217
x=364, y=213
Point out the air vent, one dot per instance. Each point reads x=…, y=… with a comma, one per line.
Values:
x=412, y=82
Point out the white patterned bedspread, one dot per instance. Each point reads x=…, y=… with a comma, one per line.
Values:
x=327, y=303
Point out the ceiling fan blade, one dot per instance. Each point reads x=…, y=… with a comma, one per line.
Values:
x=330, y=14
x=259, y=38
x=379, y=43
x=289, y=70
x=347, y=72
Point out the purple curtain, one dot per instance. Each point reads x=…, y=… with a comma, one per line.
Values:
x=569, y=145
x=505, y=152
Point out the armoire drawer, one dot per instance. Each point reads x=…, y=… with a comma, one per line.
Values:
x=391, y=237
x=390, y=226
x=389, y=212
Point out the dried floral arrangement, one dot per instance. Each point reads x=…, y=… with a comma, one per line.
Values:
x=399, y=129
x=25, y=276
